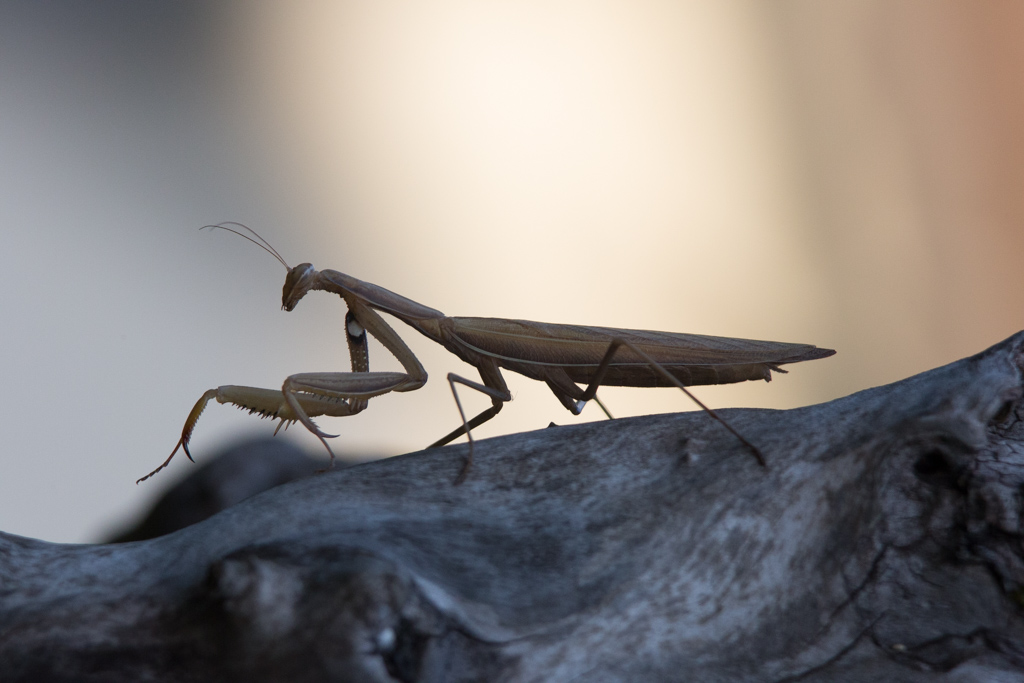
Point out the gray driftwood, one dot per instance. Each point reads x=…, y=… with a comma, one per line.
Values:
x=882, y=543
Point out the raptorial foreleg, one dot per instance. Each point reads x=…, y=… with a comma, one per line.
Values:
x=303, y=396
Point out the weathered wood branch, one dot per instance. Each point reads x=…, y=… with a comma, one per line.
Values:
x=882, y=543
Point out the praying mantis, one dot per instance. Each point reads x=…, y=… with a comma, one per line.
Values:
x=562, y=356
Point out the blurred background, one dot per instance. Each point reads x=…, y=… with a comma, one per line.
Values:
x=846, y=174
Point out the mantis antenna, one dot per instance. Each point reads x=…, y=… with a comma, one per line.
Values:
x=262, y=243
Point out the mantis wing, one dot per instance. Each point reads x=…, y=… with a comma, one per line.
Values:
x=539, y=350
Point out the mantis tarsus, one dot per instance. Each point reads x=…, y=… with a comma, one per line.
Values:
x=561, y=356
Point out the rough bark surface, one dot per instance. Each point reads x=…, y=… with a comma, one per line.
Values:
x=882, y=543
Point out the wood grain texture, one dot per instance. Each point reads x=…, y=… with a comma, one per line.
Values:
x=883, y=542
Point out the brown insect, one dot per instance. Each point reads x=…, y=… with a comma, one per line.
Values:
x=561, y=356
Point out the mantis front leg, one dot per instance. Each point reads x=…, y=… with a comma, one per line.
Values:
x=334, y=394
x=337, y=394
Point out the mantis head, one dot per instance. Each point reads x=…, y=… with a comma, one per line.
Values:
x=300, y=280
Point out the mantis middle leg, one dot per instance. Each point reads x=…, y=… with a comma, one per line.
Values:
x=493, y=386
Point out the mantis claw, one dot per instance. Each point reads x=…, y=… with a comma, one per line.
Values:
x=181, y=443
x=330, y=465
x=186, y=432
x=322, y=434
x=316, y=431
x=184, y=447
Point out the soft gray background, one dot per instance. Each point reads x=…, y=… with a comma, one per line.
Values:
x=846, y=174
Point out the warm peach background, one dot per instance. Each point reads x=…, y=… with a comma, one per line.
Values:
x=847, y=174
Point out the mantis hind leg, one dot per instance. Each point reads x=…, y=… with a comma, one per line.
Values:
x=602, y=369
x=568, y=394
x=602, y=407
